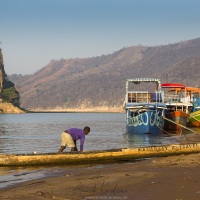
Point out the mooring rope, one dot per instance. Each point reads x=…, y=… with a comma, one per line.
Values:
x=194, y=118
x=162, y=128
x=180, y=125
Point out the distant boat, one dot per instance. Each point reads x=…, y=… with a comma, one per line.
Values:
x=144, y=109
x=179, y=105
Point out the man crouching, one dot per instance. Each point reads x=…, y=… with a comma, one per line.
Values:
x=71, y=135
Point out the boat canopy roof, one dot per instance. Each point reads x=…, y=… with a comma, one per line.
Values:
x=140, y=80
x=193, y=89
x=179, y=87
x=173, y=85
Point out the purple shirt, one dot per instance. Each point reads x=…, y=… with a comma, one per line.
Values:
x=77, y=134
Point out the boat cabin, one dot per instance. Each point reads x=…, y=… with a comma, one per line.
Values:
x=180, y=97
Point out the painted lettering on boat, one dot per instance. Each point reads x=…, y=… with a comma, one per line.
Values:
x=175, y=147
x=185, y=146
x=152, y=148
x=135, y=121
x=143, y=118
x=156, y=118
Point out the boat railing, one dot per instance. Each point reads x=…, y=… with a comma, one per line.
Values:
x=176, y=99
x=172, y=98
x=144, y=97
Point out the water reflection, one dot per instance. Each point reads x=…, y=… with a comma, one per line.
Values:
x=136, y=140
x=13, y=175
x=164, y=139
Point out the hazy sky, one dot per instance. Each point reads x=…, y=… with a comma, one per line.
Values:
x=33, y=32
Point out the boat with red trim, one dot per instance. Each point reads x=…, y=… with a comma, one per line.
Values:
x=179, y=105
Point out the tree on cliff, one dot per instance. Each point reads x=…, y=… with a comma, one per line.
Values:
x=10, y=94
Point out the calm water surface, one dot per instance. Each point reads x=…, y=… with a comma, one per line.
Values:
x=40, y=132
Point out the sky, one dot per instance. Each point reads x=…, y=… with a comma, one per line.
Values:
x=34, y=32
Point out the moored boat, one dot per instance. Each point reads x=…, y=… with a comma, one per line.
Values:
x=179, y=105
x=144, y=109
x=179, y=119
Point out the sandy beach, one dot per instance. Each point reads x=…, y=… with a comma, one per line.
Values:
x=166, y=178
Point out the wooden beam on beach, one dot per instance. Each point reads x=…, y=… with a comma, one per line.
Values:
x=98, y=157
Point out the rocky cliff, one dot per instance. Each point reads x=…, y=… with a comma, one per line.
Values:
x=9, y=108
x=9, y=96
x=2, y=72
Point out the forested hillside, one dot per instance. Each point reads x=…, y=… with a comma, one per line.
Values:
x=100, y=81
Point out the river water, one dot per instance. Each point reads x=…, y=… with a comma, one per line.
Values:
x=40, y=132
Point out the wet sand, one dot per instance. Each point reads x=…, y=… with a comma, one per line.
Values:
x=166, y=178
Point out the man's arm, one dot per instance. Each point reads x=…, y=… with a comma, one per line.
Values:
x=75, y=148
x=81, y=143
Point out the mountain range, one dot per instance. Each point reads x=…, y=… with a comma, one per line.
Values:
x=98, y=83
